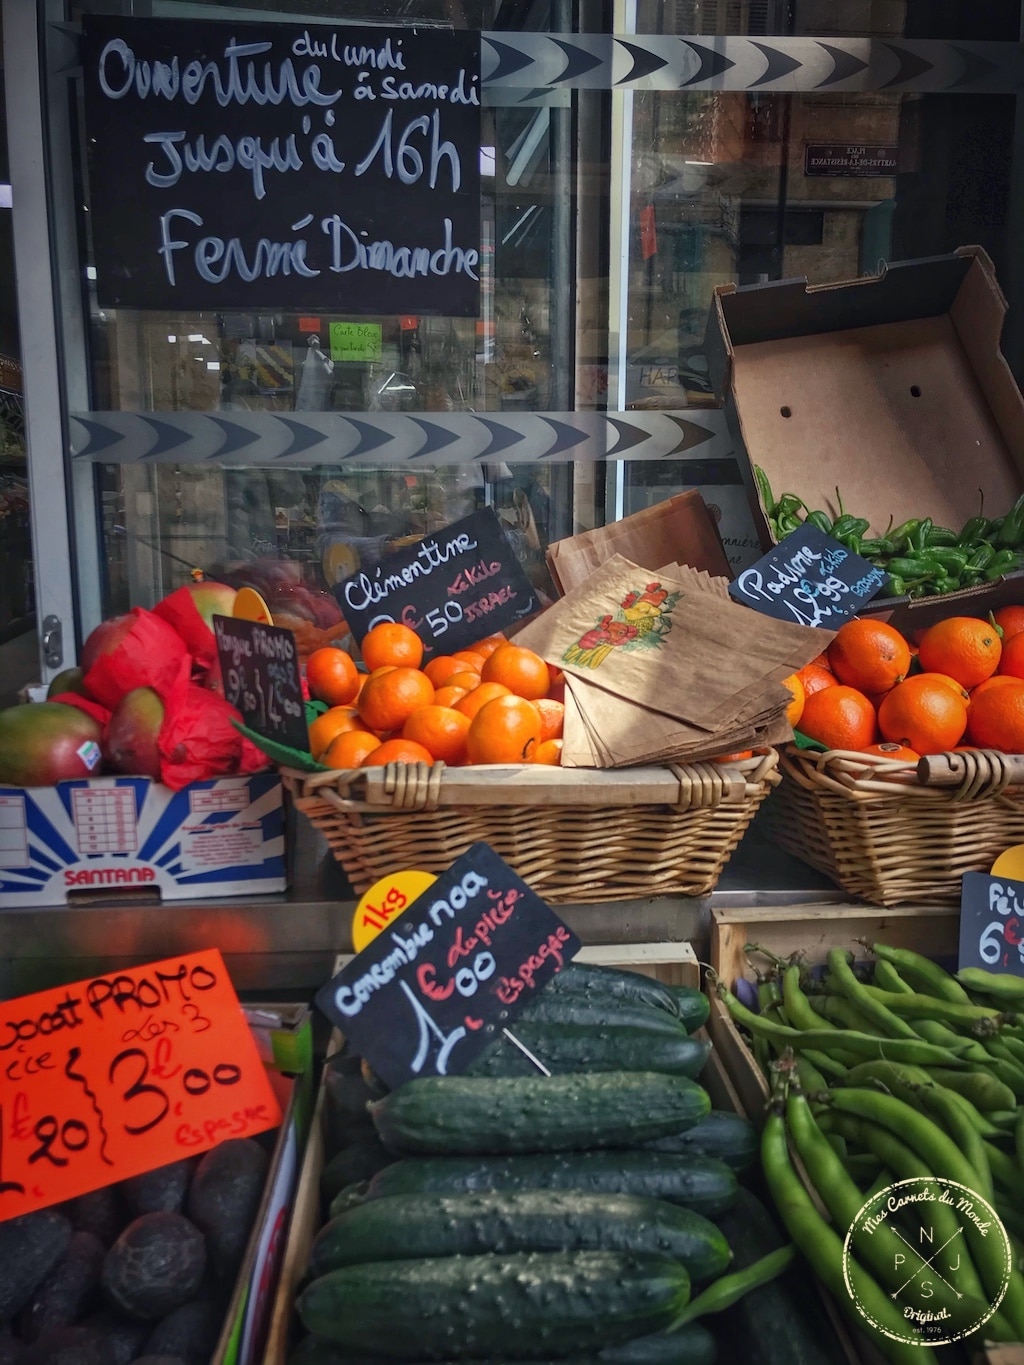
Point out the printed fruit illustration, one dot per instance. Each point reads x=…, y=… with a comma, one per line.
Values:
x=925, y=714
x=522, y=671
x=505, y=730
x=839, y=717
x=332, y=676
x=996, y=718
x=47, y=742
x=389, y=699
x=869, y=655
x=389, y=642
x=962, y=647
x=130, y=743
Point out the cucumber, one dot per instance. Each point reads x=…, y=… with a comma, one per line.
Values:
x=565, y=1048
x=585, y=978
x=689, y=1345
x=549, y=1304
x=730, y=1137
x=471, y=1114
x=419, y=1225
x=701, y=1183
x=359, y=1160
x=592, y=1010
x=693, y=1006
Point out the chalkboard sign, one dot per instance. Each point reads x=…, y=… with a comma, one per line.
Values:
x=276, y=166
x=992, y=923
x=452, y=587
x=809, y=578
x=260, y=667
x=437, y=986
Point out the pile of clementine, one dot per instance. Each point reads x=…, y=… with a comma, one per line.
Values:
x=494, y=703
x=962, y=685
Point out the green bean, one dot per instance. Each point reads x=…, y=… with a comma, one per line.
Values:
x=827, y=1064
x=981, y=1124
x=923, y=974
x=1002, y=986
x=862, y=1168
x=883, y=1019
x=811, y=1079
x=823, y=1250
x=887, y=978
x=902, y=1081
x=1005, y=1171
x=926, y=1007
x=941, y=1105
x=1018, y=1140
x=837, y=1009
x=985, y=1091
x=729, y=1289
x=798, y=1008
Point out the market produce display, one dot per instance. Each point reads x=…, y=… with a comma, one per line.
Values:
x=921, y=559
x=960, y=683
x=890, y=1072
x=565, y=1217
x=142, y=1268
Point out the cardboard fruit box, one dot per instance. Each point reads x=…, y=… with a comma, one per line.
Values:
x=892, y=387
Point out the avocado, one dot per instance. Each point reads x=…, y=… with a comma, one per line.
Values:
x=100, y=1212
x=123, y=1337
x=69, y=1290
x=358, y=1161
x=346, y=1116
x=30, y=1246
x=191, y=1332
x=156, y=1265
x=224, y=1198
x=159, y=1191
x=67, y=1346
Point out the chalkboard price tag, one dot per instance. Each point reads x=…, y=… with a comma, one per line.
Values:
x=119, y=1074
x=992, y=923
x=452, y=587
x=438, y=985
x=260, y=667
x=809, y=578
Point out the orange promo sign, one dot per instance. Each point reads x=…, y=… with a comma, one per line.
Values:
x=119, y=1074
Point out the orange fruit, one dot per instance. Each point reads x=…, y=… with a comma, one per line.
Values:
x=1010, y=620
x=795, y=709
x=449, y=695
x=505, y=730
x=350, y=749
x=440, y=669
x=556, y=690
x=997, y=718
x=389, y=642
x=962, y=647
x=469, y=659
x=814, y=678
x=488, y=646
x=389, y=699
x=899, y=753
x=996, y=680
x=441, y=730
x=467, y=679
x=552, y=715
x=332, y=676
x=821, y=660
x=522, y=671
x=737, y=757
x=951, y=683
x=397, y=751
x=548, y=751
x=924, y=713
x=1011, y=663
x=326, y=728
x=869, y=655
x=839, y=717
x=479, y=696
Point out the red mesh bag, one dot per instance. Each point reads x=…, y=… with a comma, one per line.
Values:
x=100, y=714
x=145, y=652
x=181, y=610
x=198, y=739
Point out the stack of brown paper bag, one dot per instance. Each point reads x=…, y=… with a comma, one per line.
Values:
x=664, y=667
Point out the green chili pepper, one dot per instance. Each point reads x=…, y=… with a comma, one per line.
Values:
x=980, y=559
x=895, y=587
x=820, y=519
x=951, y=557
x=848, y=525
x=852, y=543
x=903, y=531
x=1002, y=563
x=911, y=568
x=1012, y=529
x=941, y=535
x=919, y=539
x=773, y=526
x=974, y=530
x=764, y=490
x=789, y=503
x=788, y=523
x=881, y=547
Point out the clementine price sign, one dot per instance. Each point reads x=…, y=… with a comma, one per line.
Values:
x=119, y=1074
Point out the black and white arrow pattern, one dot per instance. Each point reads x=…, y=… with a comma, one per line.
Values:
x=531, y=62
x=388, y=438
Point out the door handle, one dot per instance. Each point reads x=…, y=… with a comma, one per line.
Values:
x=53, y=641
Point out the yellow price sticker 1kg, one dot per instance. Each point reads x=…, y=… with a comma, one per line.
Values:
x=384, y=902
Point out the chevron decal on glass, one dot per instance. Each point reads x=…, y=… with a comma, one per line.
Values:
x=101, y=437
x=235, y=438
x=712, y=63
x=502, y=438
x=644, y=63
x=567, y=437
x=844, y=65
x=168, y=437
x=578, y=61
x=370, y=437
x=975, y=67
x=780, y=64
x=437, y=437
x=910, y=65
x=510, y=59
x=303, y=437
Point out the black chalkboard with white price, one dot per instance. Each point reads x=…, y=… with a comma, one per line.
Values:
x=260, y=668
x=273, y=166
x=452, y=587
x=441, y=982
x=809, y=578
x=992, y=923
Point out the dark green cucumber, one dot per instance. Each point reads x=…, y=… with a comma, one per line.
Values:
x=474, y=1114
x=730, y=1137
x=359, y=1160
x=549, y=1304
x=693, y=1005
x=586, y=978
x=567, y=1048
x=411, y=1226
x=591, y=1010
x=701, y=1183
x=690, y=1345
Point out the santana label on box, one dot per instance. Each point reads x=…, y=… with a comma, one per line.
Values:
x=436, y=987
x=809, y=578
x=452, y=587
x=992, y=923
x=114, y=1076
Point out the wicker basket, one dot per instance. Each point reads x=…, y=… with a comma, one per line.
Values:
x=874, y=828
x=573, y=834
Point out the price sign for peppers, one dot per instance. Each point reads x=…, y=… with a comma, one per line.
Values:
x=809, y=578
x=440, y=982
x=119, y=1074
